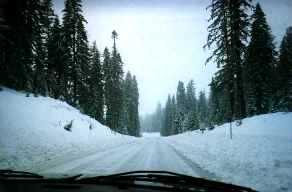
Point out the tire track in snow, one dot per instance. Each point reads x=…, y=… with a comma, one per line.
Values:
x=156, y=154
x=106, y=163
x=195, y=166
x=79, y=164
x=135, y=161
x=68, y=157
x=141, y=159
x=148, y=154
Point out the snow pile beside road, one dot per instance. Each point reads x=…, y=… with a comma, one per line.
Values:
x=259, y=155
x=32, y=131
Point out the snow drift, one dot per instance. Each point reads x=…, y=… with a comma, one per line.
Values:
x=258, y=156
x=32, y=131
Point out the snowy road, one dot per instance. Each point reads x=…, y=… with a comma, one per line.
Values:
x=259, y=155
x=154, y=153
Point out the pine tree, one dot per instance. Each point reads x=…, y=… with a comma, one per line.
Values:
x=41, y=39
x=215, y=107
x=108, y=87
x=238, y=33
x=285, y=72
x=228, y=32
x=116, y=92
x=5, y=45
x=191, y=120
x=202, y=110
x=180, y=108
x=82, y=70
x=47, y=18
x=124, y=115
x=23, y=21
x=172, y=117
x=130, y=106
x=259, y=67
x=128, y=112
x=191, y=97
x=26, y=59
x=56, y=61
x=167, y=122
x=136, y=119
x=113, y=73
x=95, y=101
x=39, y=61
x=76, y=50
x=7, y=41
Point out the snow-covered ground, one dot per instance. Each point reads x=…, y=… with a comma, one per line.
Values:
x=33, y=138
x=259, y=155
x=32, y=132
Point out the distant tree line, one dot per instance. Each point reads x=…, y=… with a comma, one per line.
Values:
x=253, y=77
x=41, y=55
x=153, y=122
x=184, y=111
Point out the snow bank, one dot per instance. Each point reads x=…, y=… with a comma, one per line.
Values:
x=32, y=131
x=259, y=155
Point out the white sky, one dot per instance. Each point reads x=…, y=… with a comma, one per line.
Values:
x=161, y=42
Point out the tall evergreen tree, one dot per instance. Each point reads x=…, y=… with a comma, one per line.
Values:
x=56, y=61
x=173, y=115
x=76, y=49
x=216, y=105
x=128, y=112
x=95, y=101
x=238, y=33
x=260, y=65
x=108, y=87
x=167, y=121
x=26, y=59
x=202, y=109
x=83, y=68
x=285, y=72
x=22, y=19
x=136, y=120
x=40, y=44
x=47, y=18
x=41, y=56
x=191, y=97
x=39, y=61
x=191, y=119
x=39, y=80
x=228, y=32
x=180, y=107
x=130, y=106
x=5, y=44
x=117, y=78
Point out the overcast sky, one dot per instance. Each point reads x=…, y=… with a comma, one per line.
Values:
x=161, y=40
